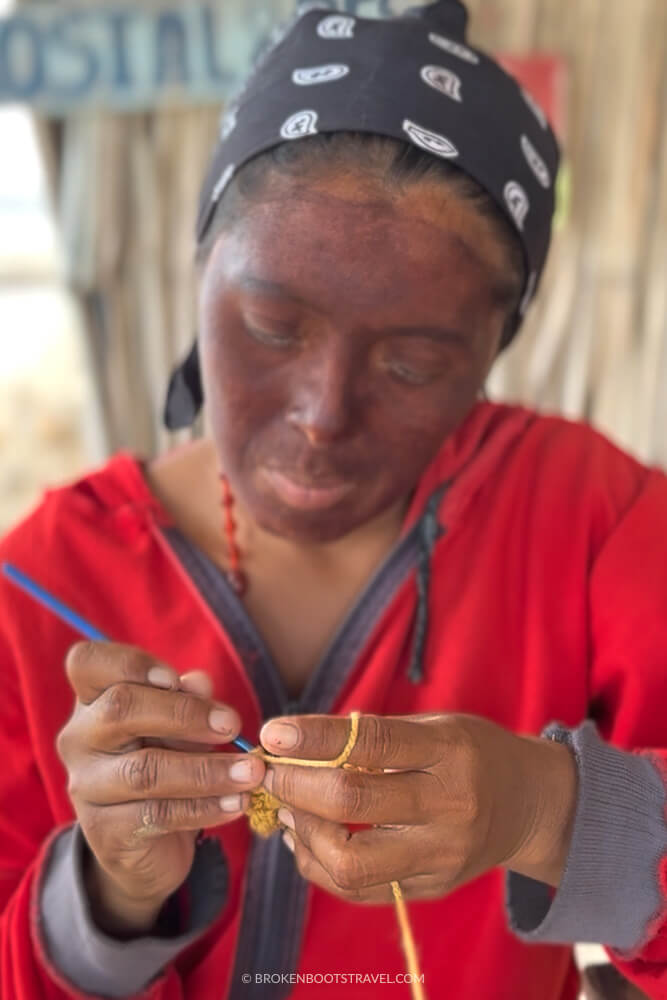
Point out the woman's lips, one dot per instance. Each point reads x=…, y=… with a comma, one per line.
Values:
x=310, y=497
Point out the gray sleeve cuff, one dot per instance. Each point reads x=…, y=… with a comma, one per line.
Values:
x=609, y=893
x=104, y=966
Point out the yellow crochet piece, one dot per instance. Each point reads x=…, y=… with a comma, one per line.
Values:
x=263, y=819
x=263, y=812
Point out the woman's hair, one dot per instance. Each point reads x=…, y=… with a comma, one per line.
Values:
x=391, y=160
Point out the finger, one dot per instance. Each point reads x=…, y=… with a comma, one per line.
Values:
x=135, y=822
x=153, y=772
x=410, y=798
x=92, y=667
x=382, y=741
x=311, y=869
x=125, y=712
x=186, y=746
x=339, y=881
x=417, y=887
x=365, y=858
x=197, y=682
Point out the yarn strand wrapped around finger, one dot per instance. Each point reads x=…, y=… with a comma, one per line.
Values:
x=263, y=810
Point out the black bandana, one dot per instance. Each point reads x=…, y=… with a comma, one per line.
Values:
x=413, y=78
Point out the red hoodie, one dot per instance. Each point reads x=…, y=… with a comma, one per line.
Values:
x=547, y=602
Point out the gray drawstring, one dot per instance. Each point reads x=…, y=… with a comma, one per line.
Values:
x=429, y=531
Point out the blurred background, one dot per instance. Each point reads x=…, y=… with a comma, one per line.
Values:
x=98, y=185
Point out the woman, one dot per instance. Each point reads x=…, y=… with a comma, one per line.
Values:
x=359, y=531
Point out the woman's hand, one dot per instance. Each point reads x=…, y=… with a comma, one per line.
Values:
x=459, y=795
x=141, y=776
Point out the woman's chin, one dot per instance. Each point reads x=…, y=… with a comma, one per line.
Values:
x=305, y=527
x=318, y=526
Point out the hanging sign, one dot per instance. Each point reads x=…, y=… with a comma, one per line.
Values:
x=63, y=57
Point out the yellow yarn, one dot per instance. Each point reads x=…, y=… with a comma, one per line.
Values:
x=263, y=819
x=408, y=943
x=338, y=761
x=263, y=812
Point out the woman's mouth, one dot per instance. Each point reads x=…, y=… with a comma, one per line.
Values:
x=305, y=496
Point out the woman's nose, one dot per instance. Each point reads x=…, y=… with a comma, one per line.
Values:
x=321, y=406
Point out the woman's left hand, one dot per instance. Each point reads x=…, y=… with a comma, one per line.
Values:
x=458, y=795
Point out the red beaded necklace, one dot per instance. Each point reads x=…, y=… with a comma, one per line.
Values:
x=235, y=575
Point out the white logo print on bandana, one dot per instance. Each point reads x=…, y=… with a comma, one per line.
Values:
x=225, y=178
x=443, y=80
x=336, y=26
x=535, y=162
x=431, y=141
x=517, y=202
x=320, y=74
x=535, y=108
x=299, y=125
x=454, y=48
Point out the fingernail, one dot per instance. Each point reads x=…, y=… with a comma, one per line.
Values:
x=242, y=770
x=231, y=803
x=288, y=840
x=162, y=677
x=285, y=816
x=283, y=735
x=268, y=779
x=222, y=721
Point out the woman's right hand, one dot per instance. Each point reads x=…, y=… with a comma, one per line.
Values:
x=142, y=779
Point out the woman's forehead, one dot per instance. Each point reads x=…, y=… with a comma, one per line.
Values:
x=348, y=229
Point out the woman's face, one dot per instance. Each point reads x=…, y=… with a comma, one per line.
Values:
x=345, y=331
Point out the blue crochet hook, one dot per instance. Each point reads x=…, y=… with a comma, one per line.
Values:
x=70, y=617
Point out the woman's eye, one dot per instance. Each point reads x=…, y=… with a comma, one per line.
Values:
x=272, y=338
x=413, y=376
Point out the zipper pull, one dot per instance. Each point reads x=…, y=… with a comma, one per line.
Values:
x=291, y=707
